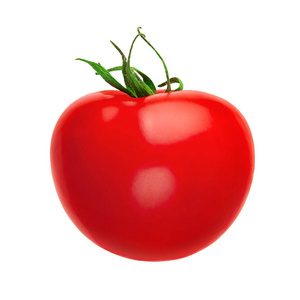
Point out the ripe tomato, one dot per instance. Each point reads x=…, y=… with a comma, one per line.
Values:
x=153, y=178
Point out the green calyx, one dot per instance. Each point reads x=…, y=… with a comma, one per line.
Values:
x=137, y=84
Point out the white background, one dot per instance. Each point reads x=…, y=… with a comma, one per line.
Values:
x=244, y=51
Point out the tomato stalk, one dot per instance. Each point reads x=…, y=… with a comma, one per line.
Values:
x=137, y=83
x=166, y=69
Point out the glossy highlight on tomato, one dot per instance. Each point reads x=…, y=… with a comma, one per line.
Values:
x=154, y=178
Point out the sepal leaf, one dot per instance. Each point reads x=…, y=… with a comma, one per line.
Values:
x=100, y=70
x=173, y=80
x=145, y=78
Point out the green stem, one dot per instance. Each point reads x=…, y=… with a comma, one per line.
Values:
x=137, y=83
x=131, y=47
x=143, y=36
x=139, y=86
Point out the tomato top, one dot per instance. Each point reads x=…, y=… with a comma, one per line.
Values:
x=137, y=83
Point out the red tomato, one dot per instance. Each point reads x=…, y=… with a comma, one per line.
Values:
x=154, y=178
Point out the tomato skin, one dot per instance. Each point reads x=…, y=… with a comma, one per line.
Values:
x=155, y=178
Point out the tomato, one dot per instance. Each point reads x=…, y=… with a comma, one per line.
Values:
x=152, y=178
